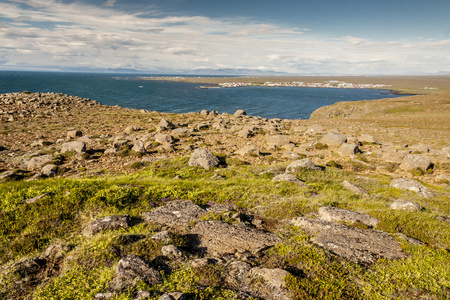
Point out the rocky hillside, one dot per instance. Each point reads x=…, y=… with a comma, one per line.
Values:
x=112, y=203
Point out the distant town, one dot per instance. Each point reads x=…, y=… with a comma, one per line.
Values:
x=325, y=84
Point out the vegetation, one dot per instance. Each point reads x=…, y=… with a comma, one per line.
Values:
x=26, y=230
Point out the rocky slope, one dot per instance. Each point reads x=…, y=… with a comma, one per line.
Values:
x=343, y=192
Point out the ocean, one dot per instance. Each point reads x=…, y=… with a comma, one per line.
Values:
x=177, y=97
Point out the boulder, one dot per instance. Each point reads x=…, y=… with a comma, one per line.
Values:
x=74, y=134
x=175, y=213
x=412, y=185
x=249, y=149
x=164, y=138
x=354, y=188
x=412, y=161
x=131, y=128
x=37, y=162
x=401, y=204
x=203, y=158
x=335, y=214
x=348, y=149
x=132, y=269
x=273, y=286
x=219, y=238
x=165, y=124
x=362, y=246
x=240, y=113
x=333, y=139
x=138, y=147
x=181, y=132
x=162, y=236
x=367, y=138
x=78, y=147
x=288, y=178
x=278, y=140
x=49, y=170
x=298, y=165
x=108, y=223
x=171, y=251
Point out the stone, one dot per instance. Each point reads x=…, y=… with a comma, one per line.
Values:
x=131, y=128
x=131, y=270
x=49, y=170
x=367, y=138
x=333, y=139
x=249, y=149
x=104, y=296
x=278, y=140
x=203, y=158
x=348, y=149
x=162, y=236
x=38, y=162
x=274, y=277
x=138, y=147
x=108, y=223
x=244, y=133
x=220, y=238
x=288, y=178
x=74, y=134
x=181, y=132
x=412, y=161
x=199, y=263
x=296, y=166
x=362, y=246
x=175, y=213
x=166, y=297
x=164, y=138
x=412, y=185
x=78, y=147
x=171, y=250
x=240, y=113
x=335, y=214
x=402, y=204
x=354, y=188
x=315, y=129
x=142, y=294
x=165, y=124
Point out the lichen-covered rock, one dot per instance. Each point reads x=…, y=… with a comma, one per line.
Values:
x=203, y=158
x=131, y=270
x=171, y=250
x=348, y=149
x=175, y=213
x=333, y=139
x=402, y=204
x=335, y=214
x=163, y=138
x=219, y=238
x=412, y=185
x=278, y=140
x=354, y=188
x=138, y=147
x=36, y=163
x=296, y=166
x=363, y=246
x=108, y=223
x=78, y=147
x=412, y=161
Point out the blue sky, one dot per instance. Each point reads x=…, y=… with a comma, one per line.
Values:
x=323, y=37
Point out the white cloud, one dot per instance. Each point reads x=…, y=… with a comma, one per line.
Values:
x=52, y=34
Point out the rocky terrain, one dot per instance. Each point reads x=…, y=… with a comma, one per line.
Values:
x=135, y=204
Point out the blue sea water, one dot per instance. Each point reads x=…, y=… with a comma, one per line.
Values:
x=176, y=97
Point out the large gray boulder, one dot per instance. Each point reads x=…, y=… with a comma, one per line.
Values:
x=336, y=214
x=36, y=163
x=363, y=246
x=354, y=188
x=333, y=139
x=278, y=140
x=181, y=132
x=240, y=113
x=164, y=138
x=348, y=149
x=138, y=147
x=402, y=204
x=78, y=147
x=219, y=238
x=132, y=269
x=203, y=158
x=175, y=213
x=298, y=165
x=412, y=161
x=412, y=185
x=165, y=124
x=108, y=223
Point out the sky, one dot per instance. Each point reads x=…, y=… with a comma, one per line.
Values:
x=298, y=37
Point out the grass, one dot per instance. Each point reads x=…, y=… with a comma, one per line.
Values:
x=26, y=230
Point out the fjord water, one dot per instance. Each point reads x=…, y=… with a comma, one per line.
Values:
x=176, y=97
